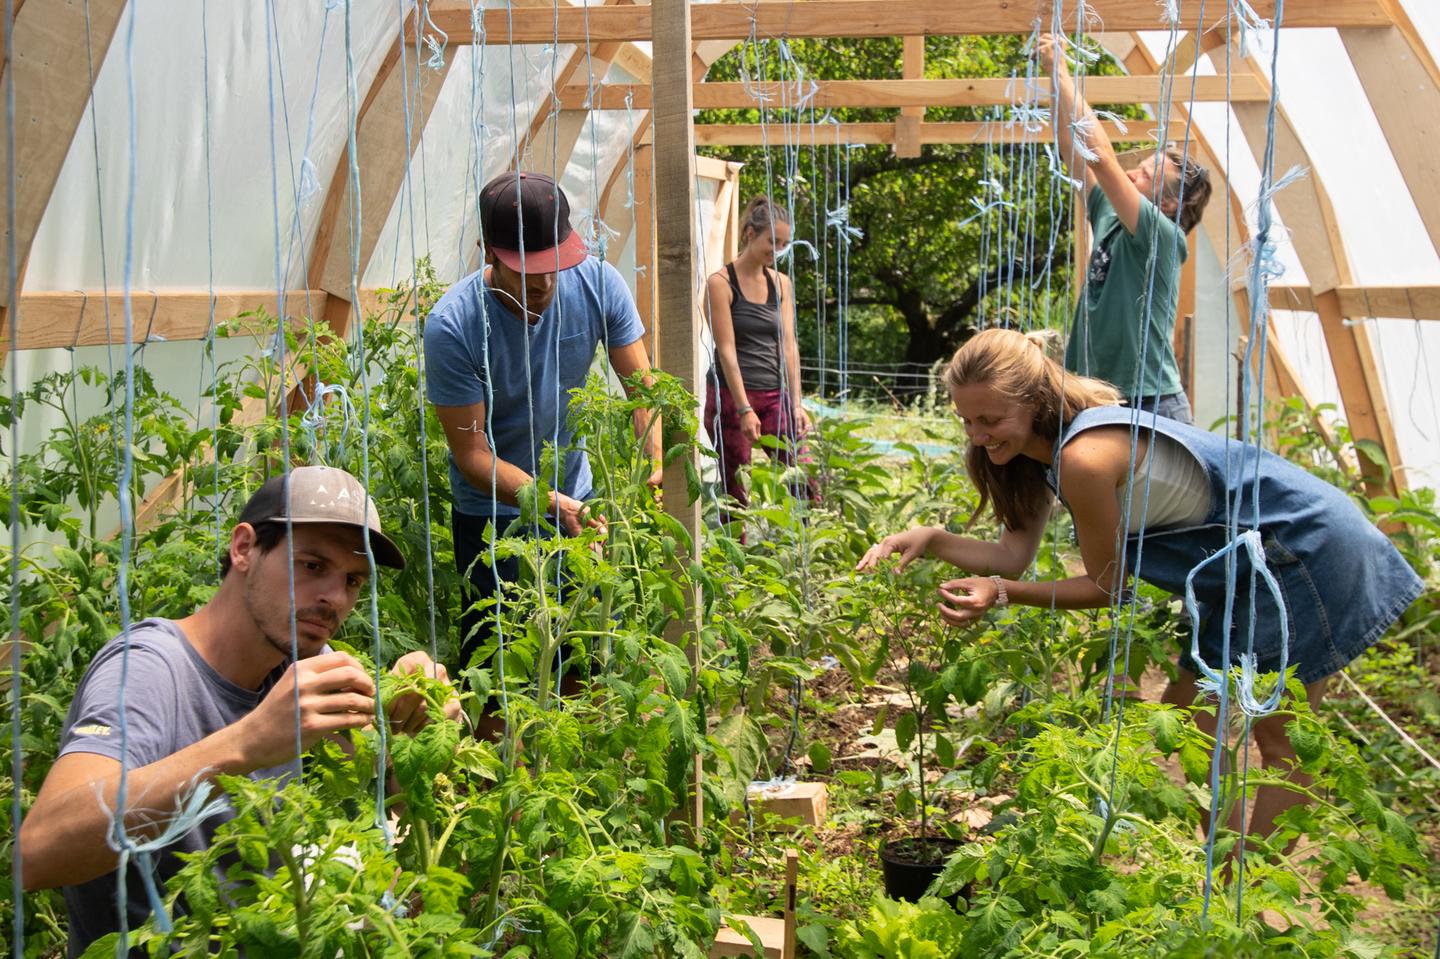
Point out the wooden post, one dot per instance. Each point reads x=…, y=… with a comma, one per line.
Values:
x=1353, y=359
x=674, y=166
x=732, y=228
x=907, y=127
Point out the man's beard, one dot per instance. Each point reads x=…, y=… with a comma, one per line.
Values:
x=279, y=635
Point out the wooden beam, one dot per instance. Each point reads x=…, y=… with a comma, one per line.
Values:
x=732, y=227
x=70, y=319
x=1184, y=338
x=976, y=133
x=886, y=94
x=1281, y=379
x=726, y=198
x=1380, y=302
x=1405, y=96
x=710, y=168
x=382, y=157
x=855, y=18
x=52, y=89
x=616, y=216
x=65, y=319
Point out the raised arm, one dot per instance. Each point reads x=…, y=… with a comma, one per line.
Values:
x=488, y=473
x=1070, y=108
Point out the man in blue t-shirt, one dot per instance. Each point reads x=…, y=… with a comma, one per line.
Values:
x=503, y=349
x=1125, y=319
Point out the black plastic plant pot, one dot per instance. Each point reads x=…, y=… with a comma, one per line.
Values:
x=911, y=864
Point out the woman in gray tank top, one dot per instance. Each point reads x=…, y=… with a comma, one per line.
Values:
x=755, y=389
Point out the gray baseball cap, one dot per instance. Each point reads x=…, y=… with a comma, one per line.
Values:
x=321, y=494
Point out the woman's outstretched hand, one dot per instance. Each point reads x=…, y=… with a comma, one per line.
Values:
x=966, y=600
x=909, y=545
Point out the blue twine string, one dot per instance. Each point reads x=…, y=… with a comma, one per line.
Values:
x=119, y=838
x=314, y=418
x=558, y=303
x=282, y=401
x=419, y=320
x=1151, y=272
x=12, y=273
x=210, y=280
x=436, y=60
x=352, y=121
x=100, y=224
x=193, y=808
x=1213, y=677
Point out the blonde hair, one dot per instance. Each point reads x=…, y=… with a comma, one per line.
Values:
x=1018, y=366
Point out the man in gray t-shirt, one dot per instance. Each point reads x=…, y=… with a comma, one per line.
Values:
x=214, y=693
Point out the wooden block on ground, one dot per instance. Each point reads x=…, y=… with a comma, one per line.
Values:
x=732, y=942
x=806, y=802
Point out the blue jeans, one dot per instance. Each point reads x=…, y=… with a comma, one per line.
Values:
x=1176, y=406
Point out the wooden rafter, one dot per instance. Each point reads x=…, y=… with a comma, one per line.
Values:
x=71, y=319
x=1399, y=79
x=49, y=102
x=882, y=94
x=48, y=106
x=382, y=157
x=1379, y=302
x=1227, y=232
x=857, y=18
x=549, y=139
x=1314, y=234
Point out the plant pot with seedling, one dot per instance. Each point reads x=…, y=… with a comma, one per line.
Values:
x=918, y=653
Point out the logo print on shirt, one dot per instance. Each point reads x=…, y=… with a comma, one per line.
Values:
x=1099, y=266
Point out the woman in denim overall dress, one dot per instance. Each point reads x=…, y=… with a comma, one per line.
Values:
x=1341, y=580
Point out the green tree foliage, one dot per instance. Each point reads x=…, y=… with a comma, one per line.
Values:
x=926, y=266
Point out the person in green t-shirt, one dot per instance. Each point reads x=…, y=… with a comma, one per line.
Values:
x=1125, y=319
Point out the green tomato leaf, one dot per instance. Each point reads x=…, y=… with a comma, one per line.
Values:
x=905, y=729
x=1166, y=726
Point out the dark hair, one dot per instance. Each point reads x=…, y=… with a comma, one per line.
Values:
x=761, y=214
x=1017, y=366
x=267, y=535
x=1195, y=180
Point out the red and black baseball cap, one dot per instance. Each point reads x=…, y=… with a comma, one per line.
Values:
x=529, y=207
